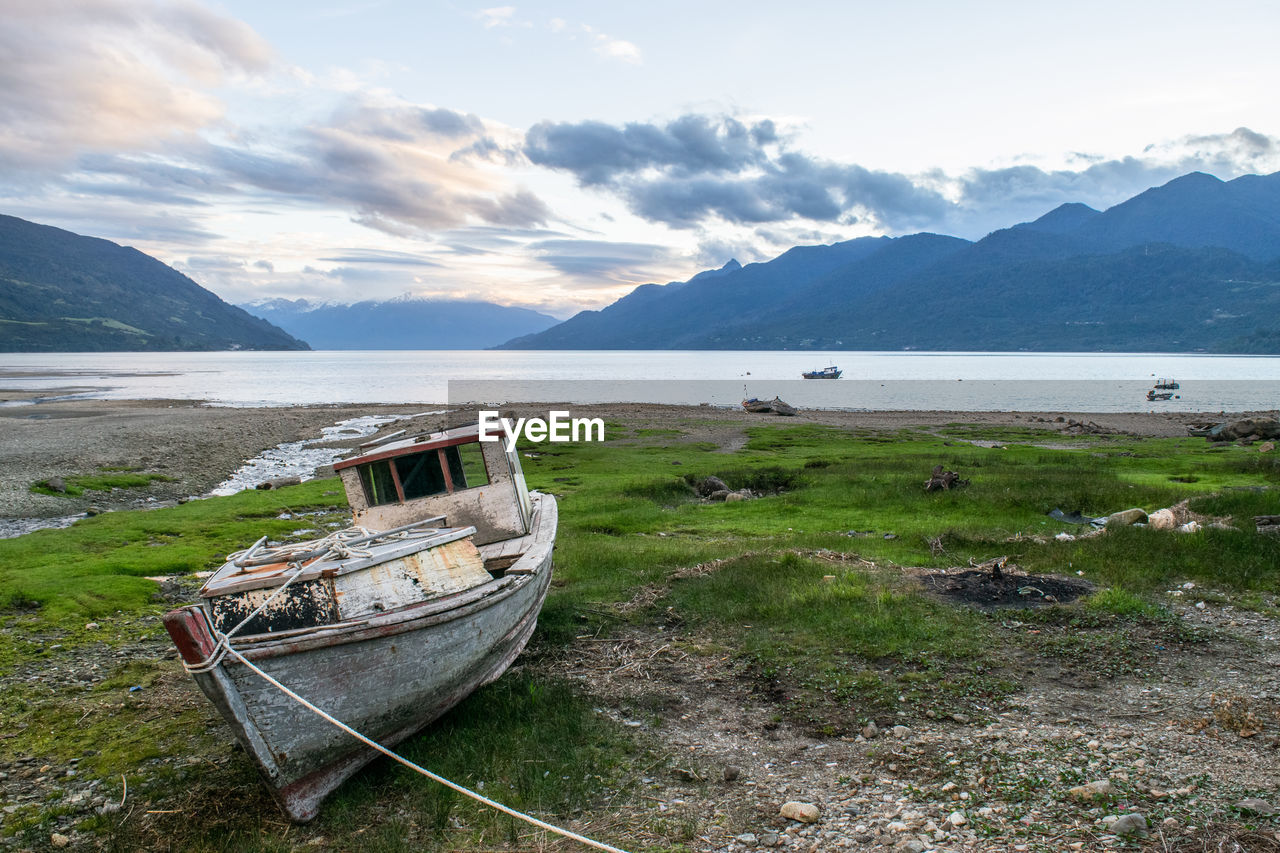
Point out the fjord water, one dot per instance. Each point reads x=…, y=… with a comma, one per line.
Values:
x=872, y=380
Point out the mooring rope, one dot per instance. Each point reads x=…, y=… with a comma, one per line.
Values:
x=418, y=768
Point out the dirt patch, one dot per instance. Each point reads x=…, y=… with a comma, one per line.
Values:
x=981, y=588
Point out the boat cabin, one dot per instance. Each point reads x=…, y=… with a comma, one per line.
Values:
x=451, y=473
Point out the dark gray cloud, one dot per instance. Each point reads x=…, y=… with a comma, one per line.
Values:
x=598, y=153
x=697, y=167
x=696, y=170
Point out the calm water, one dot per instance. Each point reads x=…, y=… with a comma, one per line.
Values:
x=887, y=380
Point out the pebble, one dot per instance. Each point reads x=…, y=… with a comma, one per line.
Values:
x=870, y=730
x=730, y=773
x=902, y=732
x=1091, y=790
x=57, y=839
x=1257, y=806
x=957, y=819
x=1130, y=824
x=803, y=812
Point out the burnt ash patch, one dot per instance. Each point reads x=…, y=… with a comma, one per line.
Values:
x=989, y=591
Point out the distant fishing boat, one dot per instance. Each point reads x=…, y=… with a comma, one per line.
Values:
x=831, y=372
x=385, y=626
x=1163, y=390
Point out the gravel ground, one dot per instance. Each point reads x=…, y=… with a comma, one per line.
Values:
x=1167, y=744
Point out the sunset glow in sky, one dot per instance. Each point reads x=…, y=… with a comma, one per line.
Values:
x=556, y=155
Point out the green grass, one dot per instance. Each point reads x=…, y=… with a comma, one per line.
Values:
x=99, y=565
x=110, y=478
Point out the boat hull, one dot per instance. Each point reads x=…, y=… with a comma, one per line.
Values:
x=386, y=676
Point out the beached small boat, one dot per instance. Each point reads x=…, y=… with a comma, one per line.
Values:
x=757, y=407
x=781, y=408
x=385, y=626
x=831, y=372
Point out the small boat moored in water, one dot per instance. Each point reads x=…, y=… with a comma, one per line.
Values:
x=831, y=372
x=386, y=625
x=1163, y=390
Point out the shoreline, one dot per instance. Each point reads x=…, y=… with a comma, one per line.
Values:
x=198, y=445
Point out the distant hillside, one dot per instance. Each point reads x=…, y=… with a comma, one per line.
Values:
x=1192, y=265
x=402, y=323
x=61, y=292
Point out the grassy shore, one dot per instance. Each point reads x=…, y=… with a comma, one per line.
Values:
x=810, y=591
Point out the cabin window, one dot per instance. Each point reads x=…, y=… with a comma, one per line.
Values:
x=466, y=466
x=379, y=485
x=420, y=475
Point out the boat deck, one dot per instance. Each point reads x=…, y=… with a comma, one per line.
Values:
x=509, y=550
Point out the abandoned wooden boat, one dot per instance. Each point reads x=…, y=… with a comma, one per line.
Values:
x=385, y=626
x=781, y=408
x=831, y=372
x=756, y=406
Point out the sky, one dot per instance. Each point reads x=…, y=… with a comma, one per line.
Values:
x=556, y=155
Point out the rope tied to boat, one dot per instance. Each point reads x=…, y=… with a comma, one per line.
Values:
x=418, y=768
x=223, y=645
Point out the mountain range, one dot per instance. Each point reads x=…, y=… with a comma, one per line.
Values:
x=61, y=292
x=1193, y=265
x=401, y=323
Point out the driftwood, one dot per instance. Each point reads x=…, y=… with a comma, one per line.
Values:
x=942, y=480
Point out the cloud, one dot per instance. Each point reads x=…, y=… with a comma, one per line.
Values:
x=697, y=170
x=599, y=153
x=498, y=16
x=612, y=48
x=372, y=256
x=112, y=75
x=600, y=261
x=697, y=167
x=392, y=164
